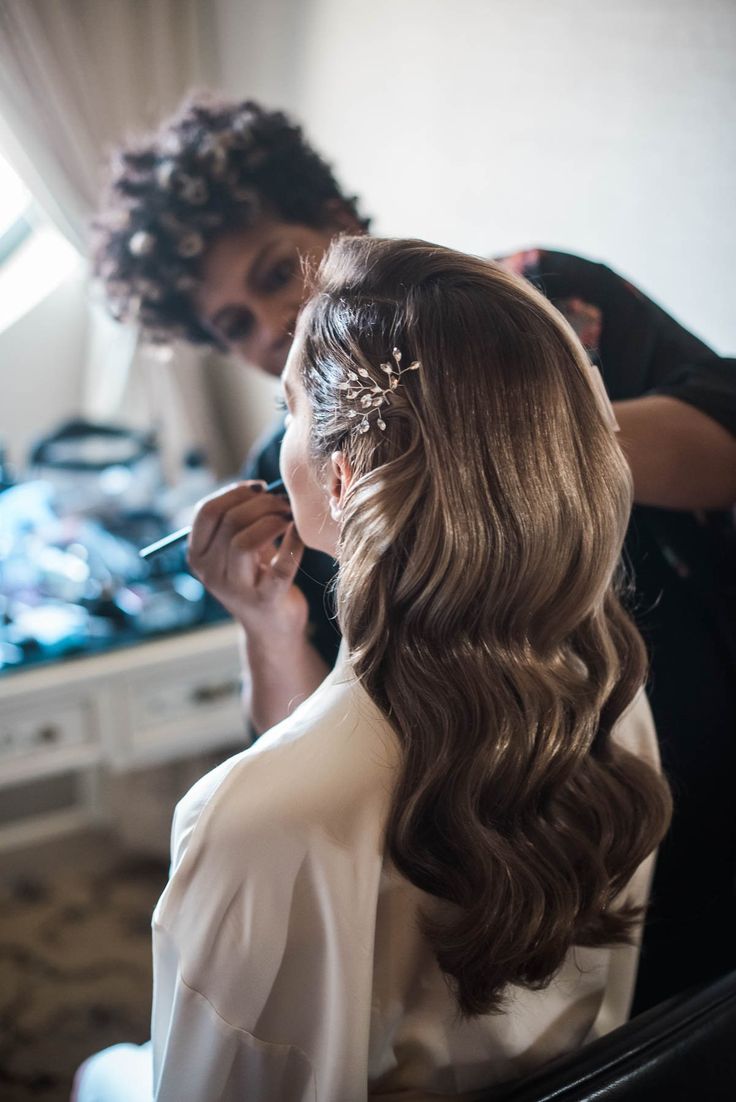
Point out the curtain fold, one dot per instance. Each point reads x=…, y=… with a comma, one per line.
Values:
x=76, y=78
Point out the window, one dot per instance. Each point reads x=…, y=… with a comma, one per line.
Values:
x=34, y=256
x=15, y=212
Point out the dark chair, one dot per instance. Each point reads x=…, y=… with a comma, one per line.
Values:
x=683, y=1050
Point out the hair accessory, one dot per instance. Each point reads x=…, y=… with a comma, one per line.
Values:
x=243, y=126
x=192, y=189
x=215, y=148
x=164, y=174
x=142, y=243
x=370, y=395
x=191, y=244
x=186, y=283
x=172, y=144
x=147, y=289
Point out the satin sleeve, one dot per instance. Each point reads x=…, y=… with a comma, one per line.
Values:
x=263, y=938
x=220, y=933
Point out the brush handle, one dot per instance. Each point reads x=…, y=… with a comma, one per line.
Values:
x=182, y=533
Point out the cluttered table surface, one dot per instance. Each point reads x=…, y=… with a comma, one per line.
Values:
x=71, y=579
x=107, y=661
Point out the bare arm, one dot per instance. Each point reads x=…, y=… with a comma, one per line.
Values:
x=680, y=457
x=231, y=549
x=280, y=672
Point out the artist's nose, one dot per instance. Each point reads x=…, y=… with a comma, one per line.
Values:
x=272, y=337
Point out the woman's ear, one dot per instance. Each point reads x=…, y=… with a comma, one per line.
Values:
x=340, y=477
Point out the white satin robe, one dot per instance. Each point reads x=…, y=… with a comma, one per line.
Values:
x=288, y=966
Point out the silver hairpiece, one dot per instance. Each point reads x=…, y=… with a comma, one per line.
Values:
x=370, y=395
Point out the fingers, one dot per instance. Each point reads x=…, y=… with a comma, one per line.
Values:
x=232, y=550
x=270, y=573
x=285, y=562
x=224, y=514
x=250, y=525
x=238, y=566
x=259, y=533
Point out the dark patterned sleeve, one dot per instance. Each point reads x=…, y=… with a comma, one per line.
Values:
x=639, y=348
x=709, y=386
x=263, y=458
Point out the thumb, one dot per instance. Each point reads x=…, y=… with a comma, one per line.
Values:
x=285, y=562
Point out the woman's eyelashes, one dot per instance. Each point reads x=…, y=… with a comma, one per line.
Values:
x=281, y=404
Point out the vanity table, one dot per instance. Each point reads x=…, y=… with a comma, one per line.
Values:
x=68, y=725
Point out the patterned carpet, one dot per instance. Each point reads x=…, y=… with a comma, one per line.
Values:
x=75, y=962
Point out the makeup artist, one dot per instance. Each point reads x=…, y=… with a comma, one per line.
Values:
x=202, y=238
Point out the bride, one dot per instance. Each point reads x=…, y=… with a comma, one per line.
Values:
x=431, y=877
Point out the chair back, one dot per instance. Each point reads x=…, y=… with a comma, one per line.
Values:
x=683, y=1050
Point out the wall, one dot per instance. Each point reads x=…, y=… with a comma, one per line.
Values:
x=486, y=124
x=605, y=129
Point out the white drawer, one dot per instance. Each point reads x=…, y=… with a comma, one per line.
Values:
x=47, y=734
x=155, y=701
x=32, y=728
x=188, y=704
x=181, y=691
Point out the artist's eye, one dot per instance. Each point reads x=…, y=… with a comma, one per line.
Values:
x=281, y=403
x=280, y=275
x=237, y=327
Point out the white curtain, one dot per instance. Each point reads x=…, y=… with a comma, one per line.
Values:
x=76, y=78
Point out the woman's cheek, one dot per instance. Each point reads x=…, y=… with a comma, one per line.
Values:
x=300, y=482
x=286, y=465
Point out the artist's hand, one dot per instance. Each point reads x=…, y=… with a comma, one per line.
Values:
x=232, y=551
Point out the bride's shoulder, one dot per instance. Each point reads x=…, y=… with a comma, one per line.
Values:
x=321, y=769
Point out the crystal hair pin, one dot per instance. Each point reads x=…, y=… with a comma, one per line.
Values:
x=370, y=395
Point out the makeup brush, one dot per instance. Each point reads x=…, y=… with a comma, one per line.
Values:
x=182, y=533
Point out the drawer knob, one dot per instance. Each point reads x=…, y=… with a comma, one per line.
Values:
x=206, y=694
x=47, y=734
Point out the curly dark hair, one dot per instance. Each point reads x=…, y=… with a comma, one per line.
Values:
x=212, y=168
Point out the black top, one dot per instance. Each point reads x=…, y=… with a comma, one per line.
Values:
x=642, y=350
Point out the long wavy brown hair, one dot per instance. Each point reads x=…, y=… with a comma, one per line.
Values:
x=481, y=536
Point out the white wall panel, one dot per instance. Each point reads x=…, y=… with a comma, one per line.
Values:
x=603, y=128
